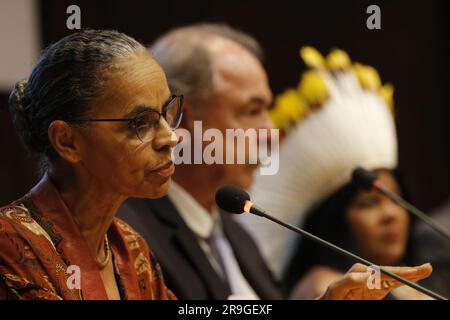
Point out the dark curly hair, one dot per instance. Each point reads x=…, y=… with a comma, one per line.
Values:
x=68, y=78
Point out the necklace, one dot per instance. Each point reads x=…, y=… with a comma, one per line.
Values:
x=104, y=263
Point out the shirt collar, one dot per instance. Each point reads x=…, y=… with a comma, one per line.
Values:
x=197, y=218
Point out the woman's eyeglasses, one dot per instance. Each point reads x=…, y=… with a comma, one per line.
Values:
x=147, y=122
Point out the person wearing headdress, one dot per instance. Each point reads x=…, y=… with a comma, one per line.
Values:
x=339, y=118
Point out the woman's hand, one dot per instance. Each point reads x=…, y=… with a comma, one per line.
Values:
x=354, y=284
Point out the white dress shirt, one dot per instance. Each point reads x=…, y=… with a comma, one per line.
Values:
x=202, y=224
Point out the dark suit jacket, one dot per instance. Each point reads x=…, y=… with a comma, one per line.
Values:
x=185, y=267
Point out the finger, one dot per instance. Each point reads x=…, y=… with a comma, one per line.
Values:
x=426, y=268
x=411, y=279
x=397, y=270
x=392, y=284
x=358, y=280
x=358, y=267
x=407, y=273
x=419, y=272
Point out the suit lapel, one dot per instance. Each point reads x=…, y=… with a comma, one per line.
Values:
x=188, y=245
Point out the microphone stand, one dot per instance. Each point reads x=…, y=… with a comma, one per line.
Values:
x=409, y=207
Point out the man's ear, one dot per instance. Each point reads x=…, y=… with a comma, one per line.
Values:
x=65, y=140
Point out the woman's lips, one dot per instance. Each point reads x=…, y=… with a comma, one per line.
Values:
x=166, y=170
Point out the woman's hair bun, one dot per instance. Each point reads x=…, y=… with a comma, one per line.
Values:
x=16, y=99
x=21, y=113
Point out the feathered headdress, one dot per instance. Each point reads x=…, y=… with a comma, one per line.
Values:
x=338, y=118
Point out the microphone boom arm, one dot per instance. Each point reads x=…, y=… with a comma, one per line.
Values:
x=413, y=210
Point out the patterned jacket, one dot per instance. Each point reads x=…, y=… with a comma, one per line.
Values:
x=39, y=241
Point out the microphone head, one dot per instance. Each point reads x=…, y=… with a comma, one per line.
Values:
x=364, y=178
x=231, y=198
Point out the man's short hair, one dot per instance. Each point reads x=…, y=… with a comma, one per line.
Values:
x=183, y=55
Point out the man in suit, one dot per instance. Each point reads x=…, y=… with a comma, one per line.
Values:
x=204, y=254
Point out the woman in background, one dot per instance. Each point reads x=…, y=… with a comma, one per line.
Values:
x=364, y=222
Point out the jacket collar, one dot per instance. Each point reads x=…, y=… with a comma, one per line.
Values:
x=73, y=247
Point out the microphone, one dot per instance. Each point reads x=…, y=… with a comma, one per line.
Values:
x=234, y=200
x=369, y=181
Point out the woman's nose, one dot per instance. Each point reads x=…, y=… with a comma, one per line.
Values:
x=390, y=210
x=165, y=137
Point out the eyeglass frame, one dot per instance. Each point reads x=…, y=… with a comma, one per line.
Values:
x=133, y=120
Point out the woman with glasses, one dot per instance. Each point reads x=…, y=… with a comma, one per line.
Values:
x=98, y=111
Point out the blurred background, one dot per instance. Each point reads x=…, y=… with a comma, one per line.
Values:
x=411, y=51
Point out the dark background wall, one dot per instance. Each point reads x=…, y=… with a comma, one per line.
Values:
x=411, y=51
